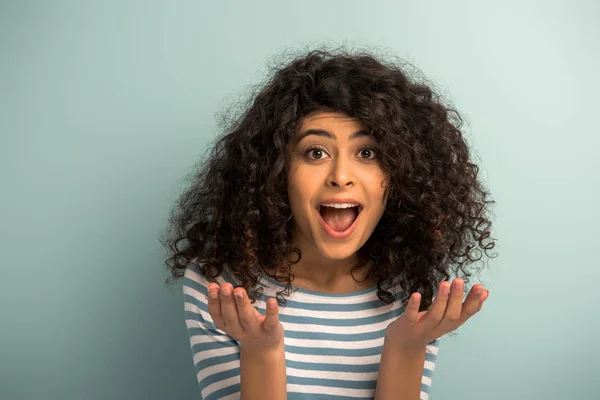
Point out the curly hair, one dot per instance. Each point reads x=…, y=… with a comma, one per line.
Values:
x=236, y=211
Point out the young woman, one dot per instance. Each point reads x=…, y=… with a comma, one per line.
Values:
x=318, y=239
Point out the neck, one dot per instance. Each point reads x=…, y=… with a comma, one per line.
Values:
x=324, y=274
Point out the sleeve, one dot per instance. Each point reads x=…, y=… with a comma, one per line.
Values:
x=429, y=367
x=216, y=355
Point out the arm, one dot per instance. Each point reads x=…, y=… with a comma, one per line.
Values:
x=404, y=351
x=400, y=373
x=263, y=374
x=224, y=366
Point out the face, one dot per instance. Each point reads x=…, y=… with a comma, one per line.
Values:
x=333, y=161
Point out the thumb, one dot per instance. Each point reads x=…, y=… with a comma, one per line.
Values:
x=272, y=319
x=411, y=314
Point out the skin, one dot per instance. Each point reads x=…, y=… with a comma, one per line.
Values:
x=414, y=329
x=407, y=334
x=341, y=169
x=323, y=167
x=235, y=315
x=262, y=351
x=404, y=347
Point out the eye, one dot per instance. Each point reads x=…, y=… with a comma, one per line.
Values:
x=317, y=152
x=367, y=153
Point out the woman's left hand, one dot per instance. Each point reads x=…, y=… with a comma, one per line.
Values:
x=413, y=330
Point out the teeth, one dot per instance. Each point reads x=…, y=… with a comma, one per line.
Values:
x=340, y=205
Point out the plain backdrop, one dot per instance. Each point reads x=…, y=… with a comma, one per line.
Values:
x=105, y=106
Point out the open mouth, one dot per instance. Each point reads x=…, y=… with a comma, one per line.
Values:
x=339, y=218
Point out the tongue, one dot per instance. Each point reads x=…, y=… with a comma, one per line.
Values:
x=339, y=219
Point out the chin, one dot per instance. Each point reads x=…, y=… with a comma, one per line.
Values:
x=337, y=251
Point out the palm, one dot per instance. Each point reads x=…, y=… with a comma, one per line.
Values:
x=447, y=313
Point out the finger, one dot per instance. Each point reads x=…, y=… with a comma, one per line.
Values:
x=228, y=309
x=465, y=310
x=246, y=313
x=454, y=307
x=214, y=305
x=484, y=297
x=436, y=312
x=272, y=319
x=411, y=314
x=472, y=303
x=259, y=317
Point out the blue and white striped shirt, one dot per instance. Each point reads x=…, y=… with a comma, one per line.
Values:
x=333, y=342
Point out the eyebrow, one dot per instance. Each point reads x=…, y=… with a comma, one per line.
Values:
x=327, y=134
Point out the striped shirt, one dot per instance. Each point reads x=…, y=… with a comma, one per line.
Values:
x=333, y=342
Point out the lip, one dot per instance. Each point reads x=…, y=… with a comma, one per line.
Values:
x=340, y=200
x=327, y=228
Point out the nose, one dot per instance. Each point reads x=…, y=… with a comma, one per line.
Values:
x=341, y=174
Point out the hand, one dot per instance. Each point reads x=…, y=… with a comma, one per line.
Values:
x=239, y=319
x=413, y=330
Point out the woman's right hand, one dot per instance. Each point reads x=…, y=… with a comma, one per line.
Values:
x=239, y=319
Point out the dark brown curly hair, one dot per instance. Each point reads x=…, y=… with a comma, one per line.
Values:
x=236, y=211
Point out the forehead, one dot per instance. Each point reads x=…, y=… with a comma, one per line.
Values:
x=331, y=119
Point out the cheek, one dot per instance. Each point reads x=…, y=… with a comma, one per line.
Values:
x=302, y=189
x=378, y=190
x=302, y=182
x=292, y=196
x=377, y=180
x=296, y=194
